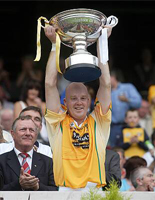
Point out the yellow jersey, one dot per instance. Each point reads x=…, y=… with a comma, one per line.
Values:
x=79, y=152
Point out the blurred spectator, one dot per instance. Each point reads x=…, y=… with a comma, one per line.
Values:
x=4, y=78
x=151, y=98
x=150, y=155
x=32, y=96
x=6, y=120
x=62, y=83
x=144, y=72
x=92, y=95
x=145, y=119
x=2, y=140
x=131, y=164
x=142, y=179
x=133, y=136
x=124, y=96
x=28, y=71
x=112, y=167
x=120, y=151
x=112, y=61
x=4, y=103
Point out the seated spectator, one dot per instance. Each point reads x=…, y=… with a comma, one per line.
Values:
x=23, y=168
x=142, y=179
x=4, y=103
x=112, y=167
x=5, y=81
x=131, y=164
x=145, y=118
x=124, y=96
x=122, y=160
x=2, y=140
x=151, y=98
x=32, y=96
x=133, y=136
x=150, y=155
x=6, y=120
x=28, y=71
x=144, y=72
x=36, y=115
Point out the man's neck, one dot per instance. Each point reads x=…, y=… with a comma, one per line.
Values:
x=80, y=122
x=140, y=188
x=24, y=150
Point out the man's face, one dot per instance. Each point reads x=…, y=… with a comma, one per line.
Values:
x=148, y=180
x=132, y=118
x=35, y=116
x=77, y=102
x=144, y=109
x=25, y=135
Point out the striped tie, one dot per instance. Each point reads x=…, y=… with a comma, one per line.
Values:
x=25, y=164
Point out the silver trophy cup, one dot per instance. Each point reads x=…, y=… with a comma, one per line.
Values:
x=78, y=29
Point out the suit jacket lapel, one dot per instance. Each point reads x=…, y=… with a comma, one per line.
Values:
x=36, y=163
x=13, y=162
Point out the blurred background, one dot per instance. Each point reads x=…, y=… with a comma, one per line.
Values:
x=134, y=32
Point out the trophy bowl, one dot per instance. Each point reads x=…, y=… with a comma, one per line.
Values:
x=71, y=23
x=78, y=29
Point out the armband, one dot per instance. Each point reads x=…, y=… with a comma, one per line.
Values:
x=53, y=47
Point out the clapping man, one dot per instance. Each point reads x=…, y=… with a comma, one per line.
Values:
x=23, y=168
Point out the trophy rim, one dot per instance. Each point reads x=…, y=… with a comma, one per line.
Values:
x=77, y=11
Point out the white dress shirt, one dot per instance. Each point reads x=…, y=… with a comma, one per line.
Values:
x=20, y=158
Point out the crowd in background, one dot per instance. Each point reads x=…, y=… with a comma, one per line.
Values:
x=133, y=114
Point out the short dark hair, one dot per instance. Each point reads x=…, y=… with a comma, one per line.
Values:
x=131, y=110
x=33, y=108
x=31, y=84
x=118, y=149
x=132, y=163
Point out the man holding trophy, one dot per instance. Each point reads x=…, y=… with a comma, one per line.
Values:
x=78, y=141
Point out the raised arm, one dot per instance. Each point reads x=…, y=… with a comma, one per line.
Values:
x=51, y=91
x=104, y=91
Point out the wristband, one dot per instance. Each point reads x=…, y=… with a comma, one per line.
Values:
x=53, y=47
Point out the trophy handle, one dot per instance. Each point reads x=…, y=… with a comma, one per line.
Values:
x=46, y=23
x=112, y=21
x=38, y=54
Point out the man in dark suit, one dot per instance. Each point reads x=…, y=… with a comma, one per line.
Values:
x=39, y=172
x=112, y=167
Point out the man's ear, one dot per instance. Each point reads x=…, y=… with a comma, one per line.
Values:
x=139, y=181
x=12, y=133
x=40, y=126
